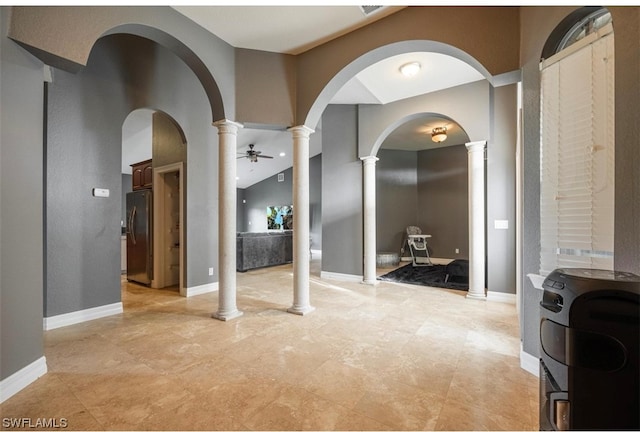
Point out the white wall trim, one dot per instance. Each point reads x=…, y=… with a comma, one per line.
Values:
x=529, y=363
x=536, y=280
x=22, y=378
x=80, y=316
x=501, y=297
x=341, y=276
x=199, y=289
x=316, y=252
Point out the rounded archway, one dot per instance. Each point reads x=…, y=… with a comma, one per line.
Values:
x=154, y=155
x=428, y=181
x=469, y=102
x=378, y=55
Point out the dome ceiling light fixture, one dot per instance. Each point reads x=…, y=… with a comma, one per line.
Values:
x=410, y=69
x=439, y=134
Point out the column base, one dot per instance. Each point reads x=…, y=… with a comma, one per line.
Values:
x=226, y=316
x=370, y=282
x=301, y=310
x=476, y=296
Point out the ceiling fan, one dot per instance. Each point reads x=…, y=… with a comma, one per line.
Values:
x=253, y=155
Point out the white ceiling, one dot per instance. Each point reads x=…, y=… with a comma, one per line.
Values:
x=282, y=29
x=295, y=29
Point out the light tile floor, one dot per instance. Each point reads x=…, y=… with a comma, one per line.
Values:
x=389, y=357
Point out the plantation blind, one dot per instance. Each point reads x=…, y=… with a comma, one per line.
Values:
x=577, y=156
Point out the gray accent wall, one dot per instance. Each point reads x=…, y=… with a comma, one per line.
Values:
x=86, y=113
x=270, y=192
x=428, y=189
x=443, y=196
x=342, y=238
x=501, y=190
x=396, y=197
x=21, y=205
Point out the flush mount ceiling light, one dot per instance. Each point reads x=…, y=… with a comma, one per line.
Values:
x=439, y=134
x=410, y=69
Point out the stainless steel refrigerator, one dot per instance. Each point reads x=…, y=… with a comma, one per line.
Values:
x=140, y=236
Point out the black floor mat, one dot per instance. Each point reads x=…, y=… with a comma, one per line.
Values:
x=433, y=276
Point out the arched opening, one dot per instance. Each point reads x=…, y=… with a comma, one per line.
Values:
x=124, y=73
x=468, y=101
x=154, y=155
x=390, y=57
x=427, y=181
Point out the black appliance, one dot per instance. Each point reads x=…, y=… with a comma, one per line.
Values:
x=590, y=346
x=140, y=236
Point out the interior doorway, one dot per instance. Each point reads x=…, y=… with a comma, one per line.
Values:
x=168, y=227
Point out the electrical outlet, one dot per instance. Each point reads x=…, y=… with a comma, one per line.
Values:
x=210, y=271
x=457, y=250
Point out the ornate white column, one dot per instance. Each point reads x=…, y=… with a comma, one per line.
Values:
x=301, y=305
x=227, y=134
x=369, y=180
x=476, y=220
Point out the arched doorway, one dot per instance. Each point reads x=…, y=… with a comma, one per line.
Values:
x=469, y=103
x=420, y=182
x=154, y=140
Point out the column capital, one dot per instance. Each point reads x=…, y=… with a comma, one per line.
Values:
x=369, y=160
x=301, y=131
x=475, y=146
x=227, y=126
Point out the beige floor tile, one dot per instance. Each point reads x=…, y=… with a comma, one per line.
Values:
x=401, y=406
x=384, y=357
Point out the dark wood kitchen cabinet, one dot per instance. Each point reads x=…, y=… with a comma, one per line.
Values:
x=142, y=175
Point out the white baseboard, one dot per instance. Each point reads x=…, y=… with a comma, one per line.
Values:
x=316, y=253
x=529, y=363
x=199, y=289
x=341, y=276
x=501, y=297
x=19, y=380
x=80, y=316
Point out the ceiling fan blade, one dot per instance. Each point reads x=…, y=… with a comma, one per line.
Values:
x=264, y=156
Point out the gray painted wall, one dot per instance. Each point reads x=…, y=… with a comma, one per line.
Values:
x=396, y=197
x=428, y=189
x=443, y=209
x=21, y=205
x=342, y=240
x=270, y=192
x=86, y=113
x=501, y=192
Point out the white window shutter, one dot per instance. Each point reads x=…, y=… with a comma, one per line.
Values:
x=577, y=159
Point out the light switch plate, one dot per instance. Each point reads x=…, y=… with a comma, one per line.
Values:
x=501, y=224
x=101, y=193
